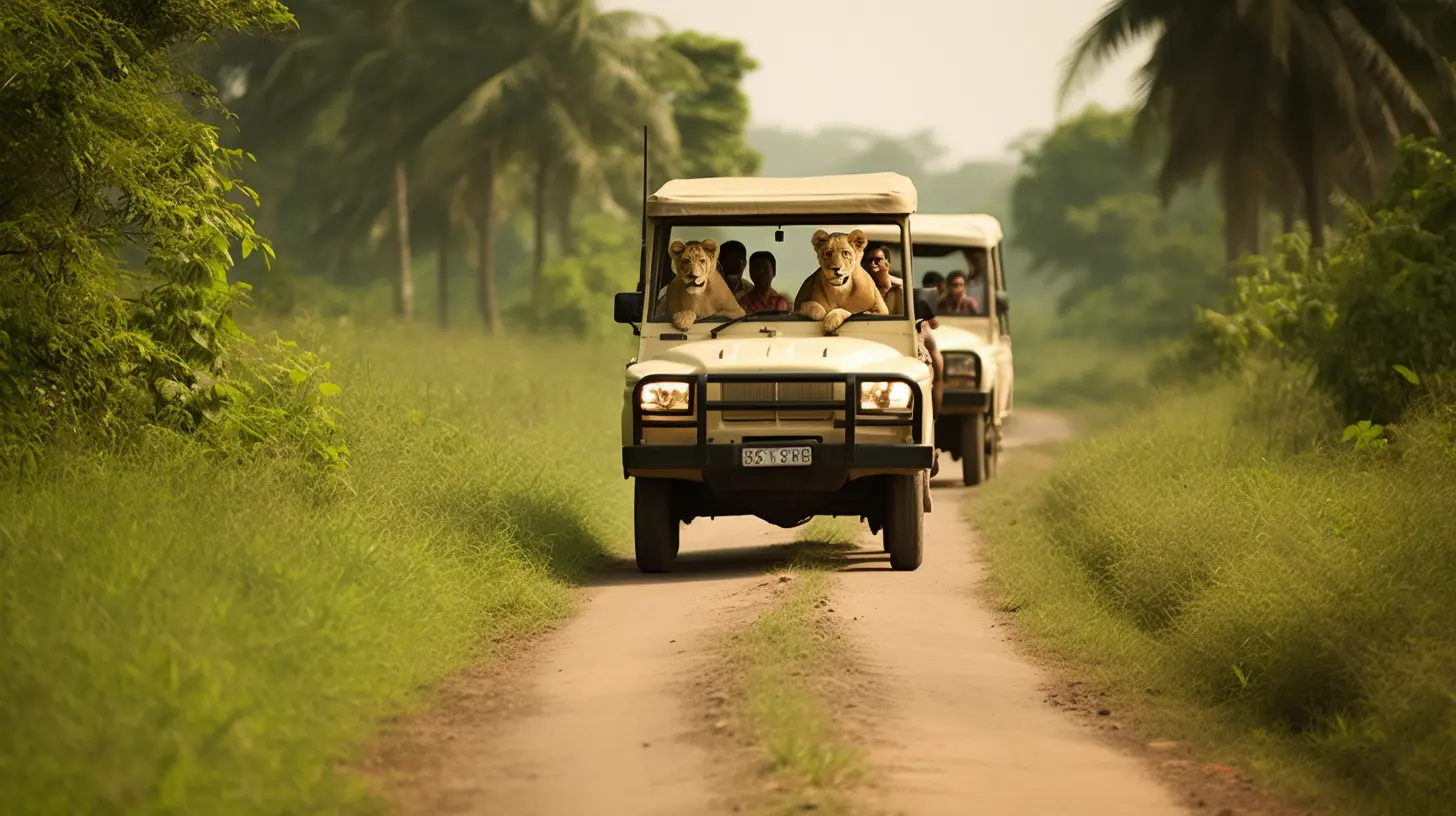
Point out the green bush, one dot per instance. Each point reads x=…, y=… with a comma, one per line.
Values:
x=113, y=187
x=1297, y=607
x=188, y=633
x=1373, y=317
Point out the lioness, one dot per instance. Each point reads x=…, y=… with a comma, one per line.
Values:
x=697, y=290
x=840, y=287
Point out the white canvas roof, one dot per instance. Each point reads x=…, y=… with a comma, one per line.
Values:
x=862, y=194
x=951, y=229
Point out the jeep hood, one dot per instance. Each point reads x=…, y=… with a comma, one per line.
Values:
x=760, y=355
x=954, y=338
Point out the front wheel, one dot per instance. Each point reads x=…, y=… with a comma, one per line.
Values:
x=905, y=521
x=655, y=525
x=973, y=450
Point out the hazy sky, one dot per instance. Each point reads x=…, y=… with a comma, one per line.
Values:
x=978, y=73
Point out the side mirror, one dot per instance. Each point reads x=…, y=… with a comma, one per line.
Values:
x=628, y=307
x=1003, y=302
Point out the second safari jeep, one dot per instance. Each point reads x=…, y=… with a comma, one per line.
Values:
x=976, y=346
x=766, y=415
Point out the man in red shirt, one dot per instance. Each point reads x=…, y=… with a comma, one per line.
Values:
x=762, y=297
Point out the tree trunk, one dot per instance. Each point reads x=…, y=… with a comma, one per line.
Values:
x=1242, y=212
x=1303, y=144
x=485, y=299
x=565, y=224
x=538, y=260
x=405, y=304
x=442, y=272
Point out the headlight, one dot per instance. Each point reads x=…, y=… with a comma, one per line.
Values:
x=965, y=366
x=885, y=396
x=669, y=396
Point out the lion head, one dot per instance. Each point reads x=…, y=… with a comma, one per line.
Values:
x=839, y=255
x=693, y=262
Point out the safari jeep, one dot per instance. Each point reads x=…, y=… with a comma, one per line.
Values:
x=976, y=347
x=816, y=406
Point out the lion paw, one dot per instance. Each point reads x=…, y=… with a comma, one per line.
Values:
x=834, y=320
x=812, y=310
x=684, y=320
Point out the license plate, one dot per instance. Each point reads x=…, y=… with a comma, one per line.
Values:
x=778, y=457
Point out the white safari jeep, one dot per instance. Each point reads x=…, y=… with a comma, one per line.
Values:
x=976, y=345
x=767, y=415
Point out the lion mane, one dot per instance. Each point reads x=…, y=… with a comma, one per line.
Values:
x=698, y=289
x=840, y=287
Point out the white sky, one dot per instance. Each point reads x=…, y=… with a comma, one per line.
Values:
x=978, y=73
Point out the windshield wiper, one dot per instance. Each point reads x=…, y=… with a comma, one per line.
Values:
x=857, y=314
x=747, y=315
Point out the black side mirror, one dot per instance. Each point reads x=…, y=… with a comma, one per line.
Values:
x=628, y=307
x=1003, y=302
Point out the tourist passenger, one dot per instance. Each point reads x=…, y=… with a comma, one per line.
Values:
x=955, y=300
x=732, y=259
x=762, y=297
x=892, y=289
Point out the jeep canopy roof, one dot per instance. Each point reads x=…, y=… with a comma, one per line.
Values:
x=861, y=194
x=949, y=229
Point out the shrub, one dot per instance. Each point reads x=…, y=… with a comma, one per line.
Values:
x=114, y=187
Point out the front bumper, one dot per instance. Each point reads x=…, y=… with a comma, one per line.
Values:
x=965, y=402
x=721, y=465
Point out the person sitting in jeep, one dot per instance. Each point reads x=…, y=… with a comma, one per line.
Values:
x=732, y=259
x=955, y=300
x=762, y=266
x=934, y=280
x=892, y=289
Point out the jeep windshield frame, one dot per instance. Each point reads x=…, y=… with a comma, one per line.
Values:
x=665, y=229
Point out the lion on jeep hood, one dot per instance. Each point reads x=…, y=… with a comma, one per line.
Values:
x=840, y=287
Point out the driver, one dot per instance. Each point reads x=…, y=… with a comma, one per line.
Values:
x=892, y=289
x=763, y=297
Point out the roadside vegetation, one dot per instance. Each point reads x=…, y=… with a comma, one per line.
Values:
x=189, y=634
x=231, y=541
x=1255, y=558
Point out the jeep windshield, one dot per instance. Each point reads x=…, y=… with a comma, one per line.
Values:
x=974, y=263
x=764, y=264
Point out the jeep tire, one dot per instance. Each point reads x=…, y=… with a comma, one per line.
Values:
x=973, y=450
x=904, y=532
x=655, y=525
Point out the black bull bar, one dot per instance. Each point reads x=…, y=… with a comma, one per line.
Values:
x=696, y=414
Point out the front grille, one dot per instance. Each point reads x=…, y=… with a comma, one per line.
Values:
x=778, y=392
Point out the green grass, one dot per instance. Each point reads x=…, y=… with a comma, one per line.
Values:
x=1289, y=613
x=184, y=635
x=781, y=658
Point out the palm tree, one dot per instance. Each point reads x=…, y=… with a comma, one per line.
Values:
x=1308, y=92
x=572, y=112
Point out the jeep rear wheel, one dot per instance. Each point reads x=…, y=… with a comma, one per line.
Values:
x=905, y=521
x=973, y=450
x=656, y=529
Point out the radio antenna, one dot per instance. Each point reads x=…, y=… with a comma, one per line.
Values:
x=642, y=258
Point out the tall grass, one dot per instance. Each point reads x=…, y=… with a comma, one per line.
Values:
x=184, y=635
x=1293, y=610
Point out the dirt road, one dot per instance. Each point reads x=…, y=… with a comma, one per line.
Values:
x=605, y=728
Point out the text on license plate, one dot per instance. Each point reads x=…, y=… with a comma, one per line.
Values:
x=778, y=457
